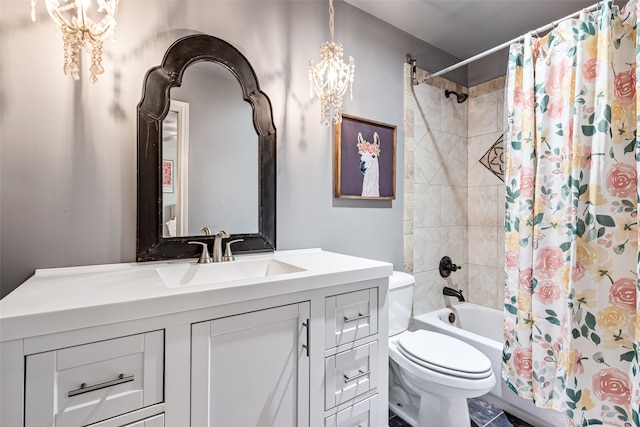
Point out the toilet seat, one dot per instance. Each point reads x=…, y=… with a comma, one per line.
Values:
x=444, y=354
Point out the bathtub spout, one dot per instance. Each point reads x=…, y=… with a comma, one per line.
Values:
x=450, y=292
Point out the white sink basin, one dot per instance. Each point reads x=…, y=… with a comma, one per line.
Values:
x=206, y=274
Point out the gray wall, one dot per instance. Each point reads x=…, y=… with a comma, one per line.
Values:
x=68, y=149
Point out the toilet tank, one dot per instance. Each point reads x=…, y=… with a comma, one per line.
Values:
x=400, y=301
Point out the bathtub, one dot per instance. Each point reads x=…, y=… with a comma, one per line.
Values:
x=482, y=328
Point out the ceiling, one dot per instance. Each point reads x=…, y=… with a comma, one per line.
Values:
x=467, y=28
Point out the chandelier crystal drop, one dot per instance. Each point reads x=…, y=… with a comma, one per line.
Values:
x=82, y=27
x=331, y=77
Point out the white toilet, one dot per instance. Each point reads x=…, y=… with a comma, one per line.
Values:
x=431, y=375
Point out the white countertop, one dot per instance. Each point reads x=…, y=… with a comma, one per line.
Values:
x=62, y=299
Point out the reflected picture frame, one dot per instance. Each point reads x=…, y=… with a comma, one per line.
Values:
x=365, y=159
x=167, y=176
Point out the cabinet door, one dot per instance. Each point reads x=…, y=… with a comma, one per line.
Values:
x=252, y=369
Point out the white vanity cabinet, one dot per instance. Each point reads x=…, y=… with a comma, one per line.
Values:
x=303, y=349
x=252, y=369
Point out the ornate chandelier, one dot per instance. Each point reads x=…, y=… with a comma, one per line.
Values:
x=331, y=76
x=82, y=27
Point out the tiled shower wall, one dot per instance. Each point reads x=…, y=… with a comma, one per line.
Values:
x=453, y=204
x=435, y=188
x=486, y=196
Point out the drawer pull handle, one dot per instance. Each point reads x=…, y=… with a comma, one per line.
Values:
x=86, y=389
x=358, y=317
x=348, y=379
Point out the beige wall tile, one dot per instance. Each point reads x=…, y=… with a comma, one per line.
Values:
x=409, y=123
x=427, y=204
x=484, y=241
x=453, y=170
x=430, y=154
x=407, y=228
x=409, y=185
x=426, y=106
x=453, y=207
x=480, y=176
x=483, y=206
x=482, y=285
x=427, y=293
x=500, y=290
x=454, y=244
x=483, y=114
x=480, y=144
x=453, y=115
x=501, y=249
x=408, y=199
x=426, y=250
x=500, y=208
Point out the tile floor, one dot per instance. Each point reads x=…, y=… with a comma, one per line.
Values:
x=482, y=413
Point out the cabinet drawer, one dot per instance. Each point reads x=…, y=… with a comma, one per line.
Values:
x=350, y=373
x=92, y=382
x=362, y=414
x=351, y=316
x=157, y=421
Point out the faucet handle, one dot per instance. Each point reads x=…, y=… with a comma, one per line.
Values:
x=206, y=231
x=447, y=266
x=228, y=256
x=204, y=256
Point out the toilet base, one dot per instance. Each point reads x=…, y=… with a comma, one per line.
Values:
x=433, y=411
x=443, y=412
x=406, y=411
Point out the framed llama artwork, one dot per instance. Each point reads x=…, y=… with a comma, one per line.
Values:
x=365, y=159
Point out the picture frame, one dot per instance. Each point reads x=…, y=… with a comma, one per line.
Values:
x=365, y=159
x=167, y=176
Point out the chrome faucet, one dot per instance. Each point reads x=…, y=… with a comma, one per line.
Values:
x=217, y=245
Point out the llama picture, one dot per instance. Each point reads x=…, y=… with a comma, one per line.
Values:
x=369, y=153
x=365, y=159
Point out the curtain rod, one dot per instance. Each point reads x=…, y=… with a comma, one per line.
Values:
x=498, y=48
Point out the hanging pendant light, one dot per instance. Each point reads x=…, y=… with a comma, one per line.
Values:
x=331, y=76
x=82, y=26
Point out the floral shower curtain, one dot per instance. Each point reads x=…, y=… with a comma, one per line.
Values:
x=572, y=322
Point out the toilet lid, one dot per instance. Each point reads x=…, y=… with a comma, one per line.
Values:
x=444, y=354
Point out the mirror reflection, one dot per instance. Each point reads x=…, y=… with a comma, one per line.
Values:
x=210, y=170
x=226, y=178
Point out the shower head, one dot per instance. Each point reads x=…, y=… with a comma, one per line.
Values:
x=461, y=97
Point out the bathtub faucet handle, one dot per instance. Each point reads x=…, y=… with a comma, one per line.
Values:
x=447, y=266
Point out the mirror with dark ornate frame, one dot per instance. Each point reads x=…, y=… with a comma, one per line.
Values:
x=151, y=244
